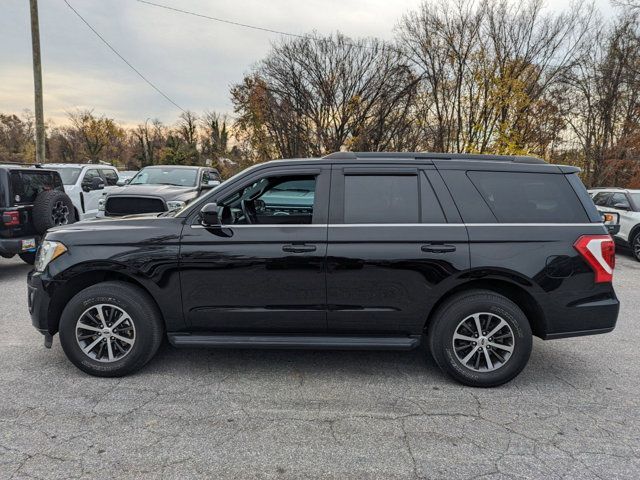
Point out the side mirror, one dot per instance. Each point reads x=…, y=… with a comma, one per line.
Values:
x=621, y=206
x=96, y=183
x=123, y=182
x=210, y=184
x=209, y=215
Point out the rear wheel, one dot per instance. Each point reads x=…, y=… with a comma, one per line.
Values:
x=480, y=338
x=110, y=329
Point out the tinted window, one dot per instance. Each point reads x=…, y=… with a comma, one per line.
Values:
x=381, y=199
x=529, y=197
x=601, y=199
x=619, y=199
x=25, y=186
x=110, y=177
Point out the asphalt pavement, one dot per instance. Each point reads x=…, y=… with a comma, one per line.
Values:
x=573, y=413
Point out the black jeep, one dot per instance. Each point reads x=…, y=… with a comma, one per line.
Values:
x=32, y=200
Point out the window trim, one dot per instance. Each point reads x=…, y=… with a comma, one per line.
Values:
x=339, y=173
x=320, y=200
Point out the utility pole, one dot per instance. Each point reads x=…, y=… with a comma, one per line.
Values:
x=37, y=82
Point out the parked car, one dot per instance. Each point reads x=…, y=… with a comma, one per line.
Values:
x=625, y=203
x=32, y=200
x=159, y=189
x=85, y=185
x=124, y=177
x=472, y=254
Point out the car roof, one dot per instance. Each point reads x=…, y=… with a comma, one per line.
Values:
x=78, y=165
x=457, y=160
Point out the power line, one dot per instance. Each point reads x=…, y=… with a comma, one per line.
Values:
x=149, y=82
x=246, y=25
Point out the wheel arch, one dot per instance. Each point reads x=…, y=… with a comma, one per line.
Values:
x=63, y=293
x=514, y=292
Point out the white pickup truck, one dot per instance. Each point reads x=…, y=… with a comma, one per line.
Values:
x=85, y=184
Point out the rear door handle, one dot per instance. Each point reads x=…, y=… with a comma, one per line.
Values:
x=437, y=248
x=299, y=248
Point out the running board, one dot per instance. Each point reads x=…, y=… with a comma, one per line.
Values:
x=332, y=342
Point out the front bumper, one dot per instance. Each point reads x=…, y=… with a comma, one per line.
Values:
x=14, y=246
x=38, y=301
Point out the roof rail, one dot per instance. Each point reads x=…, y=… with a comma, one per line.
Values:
x=434, y=156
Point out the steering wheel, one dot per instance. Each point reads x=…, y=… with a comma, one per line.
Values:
x=249, y=211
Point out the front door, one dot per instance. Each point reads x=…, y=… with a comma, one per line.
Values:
x=262, y=270
x=392, y=251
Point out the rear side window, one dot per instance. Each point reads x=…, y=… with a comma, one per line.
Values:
x=381, y=199
x=529, y=197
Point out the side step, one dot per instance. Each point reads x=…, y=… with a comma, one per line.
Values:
x=332, y=342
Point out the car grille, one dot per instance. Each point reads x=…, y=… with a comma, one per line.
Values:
x=131, y=205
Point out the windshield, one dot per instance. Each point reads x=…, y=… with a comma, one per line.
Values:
x=69, y=175
x=182, y=177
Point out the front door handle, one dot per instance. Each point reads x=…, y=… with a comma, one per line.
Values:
x=299, y=248
x=437, y=248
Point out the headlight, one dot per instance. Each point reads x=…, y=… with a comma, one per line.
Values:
x=175, y=204
x=48, y=252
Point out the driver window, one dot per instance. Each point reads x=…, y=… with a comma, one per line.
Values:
x=271, y=201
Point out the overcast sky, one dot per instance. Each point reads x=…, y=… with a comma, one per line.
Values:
x=193, y=60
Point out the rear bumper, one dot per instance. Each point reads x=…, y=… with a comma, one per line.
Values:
x=588, y=317
x=38, y=301
x=13, y=246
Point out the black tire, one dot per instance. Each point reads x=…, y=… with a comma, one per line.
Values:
x=463, y=305
x=144, y=315
x=28, y=257
x=635, y=246
x=52, y=208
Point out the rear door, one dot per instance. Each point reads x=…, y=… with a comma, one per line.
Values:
x=392, y=247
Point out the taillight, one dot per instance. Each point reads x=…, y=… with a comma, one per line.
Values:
x=599, y=251
x=11, y=219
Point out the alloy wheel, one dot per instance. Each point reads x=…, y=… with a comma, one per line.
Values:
x=60, y=213
x=483, y=342
x=636, y=247
x=105, y=333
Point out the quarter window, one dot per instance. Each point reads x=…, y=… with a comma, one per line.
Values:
x=529, y=197
x=381, y=199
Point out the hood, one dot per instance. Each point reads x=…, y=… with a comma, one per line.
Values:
x=130, y=229
x=166, y=192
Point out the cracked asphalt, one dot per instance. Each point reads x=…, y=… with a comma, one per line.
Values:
x=573, y=413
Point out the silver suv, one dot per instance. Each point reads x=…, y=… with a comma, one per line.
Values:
x=626, y=203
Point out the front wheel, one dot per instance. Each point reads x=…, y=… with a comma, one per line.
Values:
x=480, y=338
x=110, y=329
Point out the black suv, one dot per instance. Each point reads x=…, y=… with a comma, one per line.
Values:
x=474, y=254
x=32, y=200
